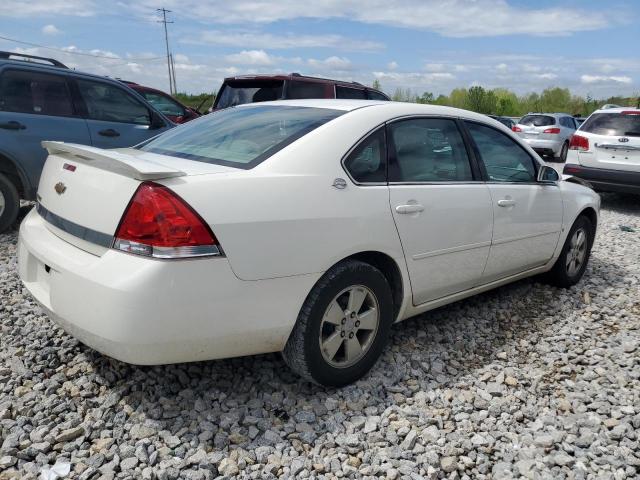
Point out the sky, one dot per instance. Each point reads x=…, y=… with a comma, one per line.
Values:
x=588, y=46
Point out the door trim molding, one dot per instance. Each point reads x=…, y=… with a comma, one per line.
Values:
x=444, y=251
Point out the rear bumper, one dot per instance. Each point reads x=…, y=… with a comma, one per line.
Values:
x=146, y=311
x=548, y=147
x=606, y=180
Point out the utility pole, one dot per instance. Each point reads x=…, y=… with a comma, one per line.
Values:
x=173, y=71
x=166, y=40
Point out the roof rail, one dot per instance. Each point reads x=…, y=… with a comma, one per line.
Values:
x=28, y=58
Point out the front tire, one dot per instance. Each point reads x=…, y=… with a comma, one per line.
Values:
x=9, y=203
x=572, y=262
x=343, y=325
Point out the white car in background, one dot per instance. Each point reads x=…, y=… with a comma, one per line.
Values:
x=547, y=133
x=307, y=227
x=605, y=151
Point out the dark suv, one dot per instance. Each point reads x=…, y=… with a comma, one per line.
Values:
x=263, y=88
x=42, y=99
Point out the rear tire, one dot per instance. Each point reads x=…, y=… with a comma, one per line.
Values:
x=343, y=325
x=572, y=262
x=563, y=152
x=9, y=203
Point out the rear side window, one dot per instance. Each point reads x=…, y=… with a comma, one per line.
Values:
x=163, y=103
x=31, y=92
x=428, y=150
x=306, y=90
x=239, y=92
x=504, y=160
x=373, y=95
x=240, y=137
x=351, y=93
x=109, y=103
x=367, y=162
x=615, y=124
x=537, y=120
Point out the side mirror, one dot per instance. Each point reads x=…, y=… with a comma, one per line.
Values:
x=547, y=174
x=156, y=121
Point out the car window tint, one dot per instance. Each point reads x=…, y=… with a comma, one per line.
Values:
x=503, y=158
x=112, y=104
x=428, y=150
x=615, y=124
x=351, y=93
x=373, y=95
x=240, y=137
x=305, y=90
x=537, y=120
x=367, y=162
x=164, y=104
x=31, y=92
x=238, y=92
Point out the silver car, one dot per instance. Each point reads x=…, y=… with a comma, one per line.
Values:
x=547, y=133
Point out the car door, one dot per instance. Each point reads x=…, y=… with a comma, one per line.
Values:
x=442, y=211
x=36, y=106
x=115, y=117
x=527, y=215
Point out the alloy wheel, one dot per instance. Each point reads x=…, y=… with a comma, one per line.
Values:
x=2, y=203
x=349, y=326
x=577, y=252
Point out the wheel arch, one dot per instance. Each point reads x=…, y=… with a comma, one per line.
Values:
x=13, y=172
x=389, y=268
x=591, y=214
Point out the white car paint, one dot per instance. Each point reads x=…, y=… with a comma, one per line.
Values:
x=281, y=225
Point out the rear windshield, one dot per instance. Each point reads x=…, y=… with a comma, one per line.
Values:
x=615, y=124
x=537, y=120
x=240, y=137
x=249, y=91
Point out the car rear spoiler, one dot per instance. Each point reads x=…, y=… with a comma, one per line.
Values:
x=131, y=166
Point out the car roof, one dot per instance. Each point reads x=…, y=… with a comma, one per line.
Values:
x=617, y=110
x=555, y=114
x=54, y=69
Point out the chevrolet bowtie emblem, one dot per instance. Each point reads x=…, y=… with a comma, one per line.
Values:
x=60, y=188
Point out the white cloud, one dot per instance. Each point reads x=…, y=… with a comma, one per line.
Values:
x=392, y=65
x=286, y=41
x=502, y=67
x=251, y=57
x=606, y=79
x=434, y=67
x=546, y=76
x=32, y=8
x=50, y=30
x=331, y=63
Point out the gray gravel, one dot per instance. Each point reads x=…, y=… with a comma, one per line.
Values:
x=523, y=382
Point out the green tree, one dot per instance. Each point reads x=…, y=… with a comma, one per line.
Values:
x=426, y=97
x=458, y=98
x=481, y=101
x=376, y=84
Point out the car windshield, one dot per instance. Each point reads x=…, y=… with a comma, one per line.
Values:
x=615, y=124
x=537, y=120
x=240, y=137
x=249, y=91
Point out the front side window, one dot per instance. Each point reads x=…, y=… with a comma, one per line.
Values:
x=367, y=162
x=38, y=93
x=301, y=90
x=240, y=137
x=503, y=158
x=351, y=93
x=615, y=124
x=428, y=150
x=110, y=103
x=164, y=104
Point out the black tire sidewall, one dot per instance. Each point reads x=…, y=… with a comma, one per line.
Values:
x=561, y=265
x=12, y=203
x=563, y=152
x=356, y=273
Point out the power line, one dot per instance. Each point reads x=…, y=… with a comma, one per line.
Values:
x=141, y=59
x=166, y=40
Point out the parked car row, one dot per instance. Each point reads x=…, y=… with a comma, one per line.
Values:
x=548, y=134
x=42, y=99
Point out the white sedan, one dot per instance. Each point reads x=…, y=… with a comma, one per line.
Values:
x=307, y=227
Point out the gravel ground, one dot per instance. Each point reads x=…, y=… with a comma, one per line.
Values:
x=525, y=381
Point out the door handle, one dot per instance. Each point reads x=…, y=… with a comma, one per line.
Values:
x=411, y=208
x=12, y=125
x=109, y=132
x=507, y=202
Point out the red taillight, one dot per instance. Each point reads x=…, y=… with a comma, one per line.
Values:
x=579, y=142
x=554, y=130
x=158, y=223
x=516, y=128
x=631, y=112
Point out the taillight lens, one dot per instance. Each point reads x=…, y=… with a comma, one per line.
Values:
x=579, y=142
x=158, y=223
x=516, y=128
x=554, y=130
x=631, y=112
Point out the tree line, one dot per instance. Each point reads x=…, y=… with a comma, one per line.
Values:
x=501, y=101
